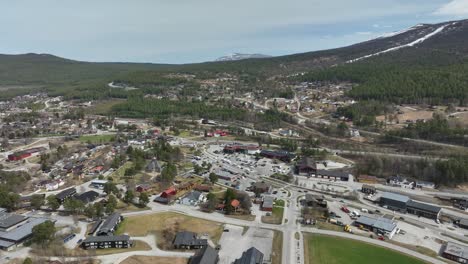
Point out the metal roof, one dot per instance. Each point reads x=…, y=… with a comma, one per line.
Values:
x=66, y=193
x=206, y=255
x=424, y=206
x=7, y=220
x=379, y=223
x=268, y=202
x=23, y=231
x=106, y=238
x=336, y=174
x=110, y=223
x=251, y=256
x=395, y=197
x=188, y=238
x=458, y=250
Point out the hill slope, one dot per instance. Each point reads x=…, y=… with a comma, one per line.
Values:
x=441, y=48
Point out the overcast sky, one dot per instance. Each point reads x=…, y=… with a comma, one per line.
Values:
x=182, y=31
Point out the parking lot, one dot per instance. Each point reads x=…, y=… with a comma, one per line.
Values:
x=243, y=168
x=233, y=243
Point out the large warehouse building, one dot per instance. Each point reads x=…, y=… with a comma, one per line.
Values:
x=404, y=204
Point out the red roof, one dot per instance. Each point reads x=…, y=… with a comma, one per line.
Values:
x=235, y=203
x=169, y=192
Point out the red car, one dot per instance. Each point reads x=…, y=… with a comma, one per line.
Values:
x=344, y=209
x=381, y=238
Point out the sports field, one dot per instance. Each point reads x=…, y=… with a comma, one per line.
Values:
x=321, y=249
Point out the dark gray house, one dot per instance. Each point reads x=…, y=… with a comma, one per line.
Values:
x=251, y=256
x=188, y=240
x=110, y=225
x=61, y=196
x=205, y=255
x=97, y=242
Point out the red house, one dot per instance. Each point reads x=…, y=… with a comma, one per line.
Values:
x=143, y=188
x=169, y=192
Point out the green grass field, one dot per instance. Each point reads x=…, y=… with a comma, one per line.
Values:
x=322, y=249
x=96, y=139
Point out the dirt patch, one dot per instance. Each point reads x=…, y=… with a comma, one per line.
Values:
x=151, y=260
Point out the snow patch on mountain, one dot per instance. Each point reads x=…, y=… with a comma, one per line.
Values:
x=242, y=56
x=411, y=44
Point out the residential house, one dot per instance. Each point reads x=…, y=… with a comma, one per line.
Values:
x=193, y=198
x=110, y=225
x=205, y=255
x=251, y=256
x=87, y=197
x=100, y=242
x=268, y=203
x=188, y=240
x=61, y=196
x=368, y=189
x=143, y=188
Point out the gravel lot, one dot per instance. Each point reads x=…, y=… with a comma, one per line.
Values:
x=233, y=243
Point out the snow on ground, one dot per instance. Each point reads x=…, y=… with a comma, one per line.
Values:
x=411, y=44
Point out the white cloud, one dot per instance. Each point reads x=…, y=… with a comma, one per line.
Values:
x=453, y=8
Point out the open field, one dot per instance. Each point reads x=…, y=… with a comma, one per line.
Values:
x=97, y=139
x=160, y=223
x=322, y=249
x=276, y=216
x=103, y=107
x=276, y=255
x=152, y=259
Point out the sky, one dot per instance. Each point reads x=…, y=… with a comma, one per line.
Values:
x=185, y=31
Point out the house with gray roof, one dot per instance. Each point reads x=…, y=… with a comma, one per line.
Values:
x=153, y=166
x=267, y=204
x=205, y=255
x=188, y=240
x=110, y=225
x=193, y=198
x=98, y=242
x=61, y=196
x=251, y=256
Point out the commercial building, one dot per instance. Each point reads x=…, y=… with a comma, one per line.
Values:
x=99, y=242
x=16, y=229
x=239, y=148
x=404, y=204
x=332, y=175
x=380, y=225
x=393, y=201
x=251, y=256
x=422, y=209
x=455, y=252
x=205, y=255
x=110, y=225
x=277, y=154
x=463, y=223
x=306, y=166
x=261, y=187
x=188, y=240
x=25, y=153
